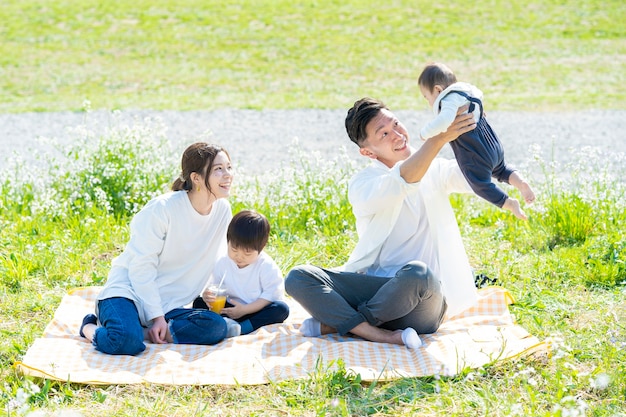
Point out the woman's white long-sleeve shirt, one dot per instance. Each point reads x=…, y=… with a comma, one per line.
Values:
x=170, y=255
x=386, y=206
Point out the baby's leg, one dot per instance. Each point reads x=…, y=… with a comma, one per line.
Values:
x=517, y=181
x=512, y=205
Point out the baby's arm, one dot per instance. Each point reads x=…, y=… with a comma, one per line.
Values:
x=449, y=107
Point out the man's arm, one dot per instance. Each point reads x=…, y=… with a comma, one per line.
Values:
x=414, y=168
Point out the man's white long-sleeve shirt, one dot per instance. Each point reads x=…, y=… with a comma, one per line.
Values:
x=398, y=222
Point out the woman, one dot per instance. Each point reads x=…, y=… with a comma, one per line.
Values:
x=174, y=243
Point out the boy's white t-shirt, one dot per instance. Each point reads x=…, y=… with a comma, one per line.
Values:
x=261, y=279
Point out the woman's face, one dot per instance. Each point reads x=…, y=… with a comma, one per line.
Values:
x=221, y=176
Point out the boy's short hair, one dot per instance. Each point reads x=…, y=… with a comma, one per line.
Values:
x=248, y=230
x=361, y=113
x=436, y=74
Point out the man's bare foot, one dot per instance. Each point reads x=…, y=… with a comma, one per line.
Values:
x=326, y=329
x=513, y=206
x=377, y=334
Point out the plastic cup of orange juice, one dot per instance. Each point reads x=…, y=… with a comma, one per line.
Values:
x=220, y=299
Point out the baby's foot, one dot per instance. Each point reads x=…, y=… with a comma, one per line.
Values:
x=527, y=192
x=513, y=206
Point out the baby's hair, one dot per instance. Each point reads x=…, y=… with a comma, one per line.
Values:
x=248, y=230
x=436, y=74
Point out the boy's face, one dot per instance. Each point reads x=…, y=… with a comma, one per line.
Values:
x=430, y=96
x=242, y=257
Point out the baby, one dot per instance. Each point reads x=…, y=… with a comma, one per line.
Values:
x=479, y=152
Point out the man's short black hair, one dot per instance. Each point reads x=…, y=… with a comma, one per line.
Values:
x=363, y=111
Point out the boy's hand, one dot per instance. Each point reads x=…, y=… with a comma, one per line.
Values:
x=237, y=310
x=208, y=297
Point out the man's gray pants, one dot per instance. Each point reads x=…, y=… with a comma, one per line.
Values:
x=343, y=300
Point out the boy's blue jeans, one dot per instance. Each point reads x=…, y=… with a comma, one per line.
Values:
x=275, y=312
x=121, y=332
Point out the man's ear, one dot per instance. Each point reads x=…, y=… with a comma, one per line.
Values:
x=366, y=152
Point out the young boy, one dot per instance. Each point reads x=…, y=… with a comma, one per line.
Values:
x=479, y=152
x=251, y=278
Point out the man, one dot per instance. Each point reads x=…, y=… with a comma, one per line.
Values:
x=409, y=266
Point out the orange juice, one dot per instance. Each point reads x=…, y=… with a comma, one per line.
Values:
x=218, y=304
x=219, y=301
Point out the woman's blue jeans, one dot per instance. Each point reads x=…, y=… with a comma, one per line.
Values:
x=121, y=332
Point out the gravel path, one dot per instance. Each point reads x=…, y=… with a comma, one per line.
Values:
x=263, y=140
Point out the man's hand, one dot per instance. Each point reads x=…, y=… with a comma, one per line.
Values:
x=463, y=123
x=414, y=168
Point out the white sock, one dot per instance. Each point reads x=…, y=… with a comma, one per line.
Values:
x=233, y=328
x=311, y=328
x=410, y=338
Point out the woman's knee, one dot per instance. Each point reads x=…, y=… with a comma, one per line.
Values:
x=198, y=327
x=119, y=342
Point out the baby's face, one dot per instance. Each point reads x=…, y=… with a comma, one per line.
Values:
x=430, y=96
x=242, y=257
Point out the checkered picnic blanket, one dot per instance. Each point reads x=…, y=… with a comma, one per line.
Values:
x=484, y=334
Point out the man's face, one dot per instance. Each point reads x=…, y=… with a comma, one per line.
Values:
x=387, y=139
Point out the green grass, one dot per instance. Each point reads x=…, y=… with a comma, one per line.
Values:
x=283, y=54
x=63, y=223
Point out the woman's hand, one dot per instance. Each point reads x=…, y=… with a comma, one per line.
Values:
x=158, y=331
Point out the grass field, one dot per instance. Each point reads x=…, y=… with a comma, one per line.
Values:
x=62, y=223
x=283, y=54
x=566, y=267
